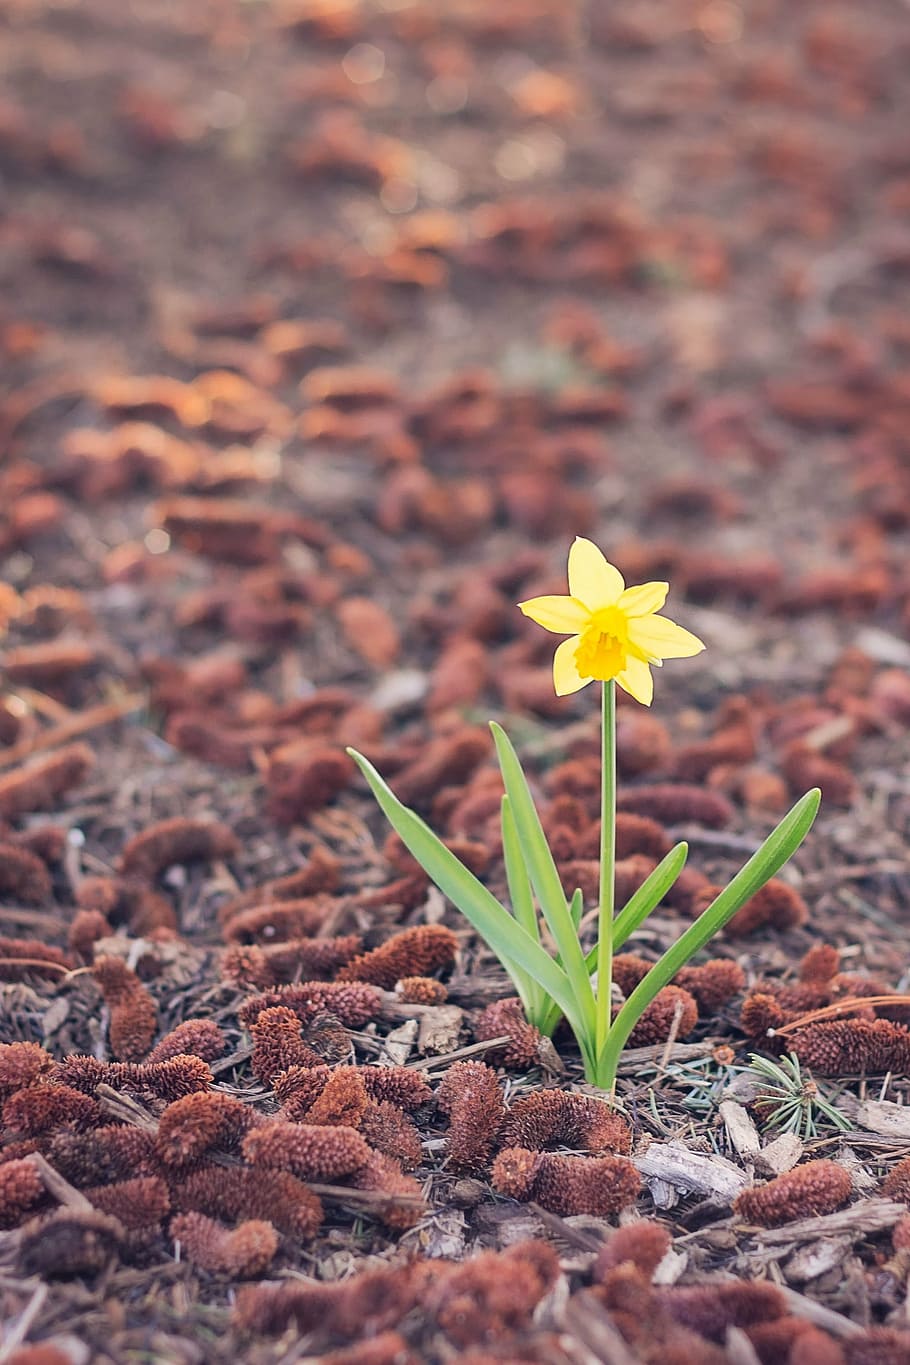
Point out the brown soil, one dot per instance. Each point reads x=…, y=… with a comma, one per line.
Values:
x=325, y=327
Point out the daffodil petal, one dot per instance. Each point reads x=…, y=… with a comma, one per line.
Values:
x=662, y=638
x=637, y=681
x=566, y=677
x=563, y=615
x=592, y=579
x=643, y=600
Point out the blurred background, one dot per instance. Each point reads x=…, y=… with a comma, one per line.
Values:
x=454, y=282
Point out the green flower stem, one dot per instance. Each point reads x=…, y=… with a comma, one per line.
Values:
x=607, y=867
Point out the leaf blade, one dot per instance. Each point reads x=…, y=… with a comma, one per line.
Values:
x=506, y=938
x=544, y=876
x=779, y=846
x=521, y=897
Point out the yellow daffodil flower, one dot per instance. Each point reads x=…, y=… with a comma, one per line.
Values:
x=615, y=631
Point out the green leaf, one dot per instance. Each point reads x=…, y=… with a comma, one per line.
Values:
x=511, y=943
x=648, y=896
x=780, y=845
x=522, y=900
x=576, y=907
x=544, y=877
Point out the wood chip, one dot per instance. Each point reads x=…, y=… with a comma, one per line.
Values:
x=442, y=1234
x=881, y=1116
x=691, y=1172
x=440, y=1027
x=741, y=1131
x=816, y=1258
x=780, y=1155
x=671, y=1267
x=820, y=1316
x=584, y=1318
x=57, y=1187
x=397, y=1045
x=740, y=1350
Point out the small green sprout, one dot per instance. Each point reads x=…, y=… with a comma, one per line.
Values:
x=789, y=1099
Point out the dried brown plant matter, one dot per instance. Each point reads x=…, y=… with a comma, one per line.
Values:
x=42, y=1107
x=492, y=1294
x=21, y=1187
x=672, y=1012
x=43, y=782
x=712, y=983
x=195, y=1037
x=777, y=904
x=472, y=1097
x=813, y=1188
x=389, y=1348
x=23, y=876
x=312, y=958
x=820, y=965
x=567, y=1185
x=139, y=1204
x=419, y=951
x=550, y=1118
x=200, y=1122
x=298, y=1087
x=318, y=1095
x=896, y=1184
x=506, y=1019
x=67, y=1243
x=165, y=1080
x=644, y=1244
x=389, y=1131
x=306, y=1150
x=341, y=1100
x=22, y=1064
x=383, y=1175
x=421, y=990
x=710, y=1309
x=279, y=921
x=22, y=959
x=134, y=1016
x=129, y=901
x=843, y=1047
x=321, y=874
x=86, y=928
x=42, y=1354
x=108, y=1153
x=353, y=1003
x=242, y=1252
x=303, y=776
x=277, y=1044
x=352, y=1309
x=678, y=803
x=400, y=1085
x=251, y=1192
x=178, y=840
x=636, y=1309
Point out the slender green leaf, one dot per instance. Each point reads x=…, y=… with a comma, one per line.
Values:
x=780, y=845
x=544, y=876
x=522, y=900
x=550, y=1021
x=576, y=910
x=505, y=936
x=648, y=896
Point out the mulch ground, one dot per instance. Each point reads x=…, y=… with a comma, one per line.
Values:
x=325, y=327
